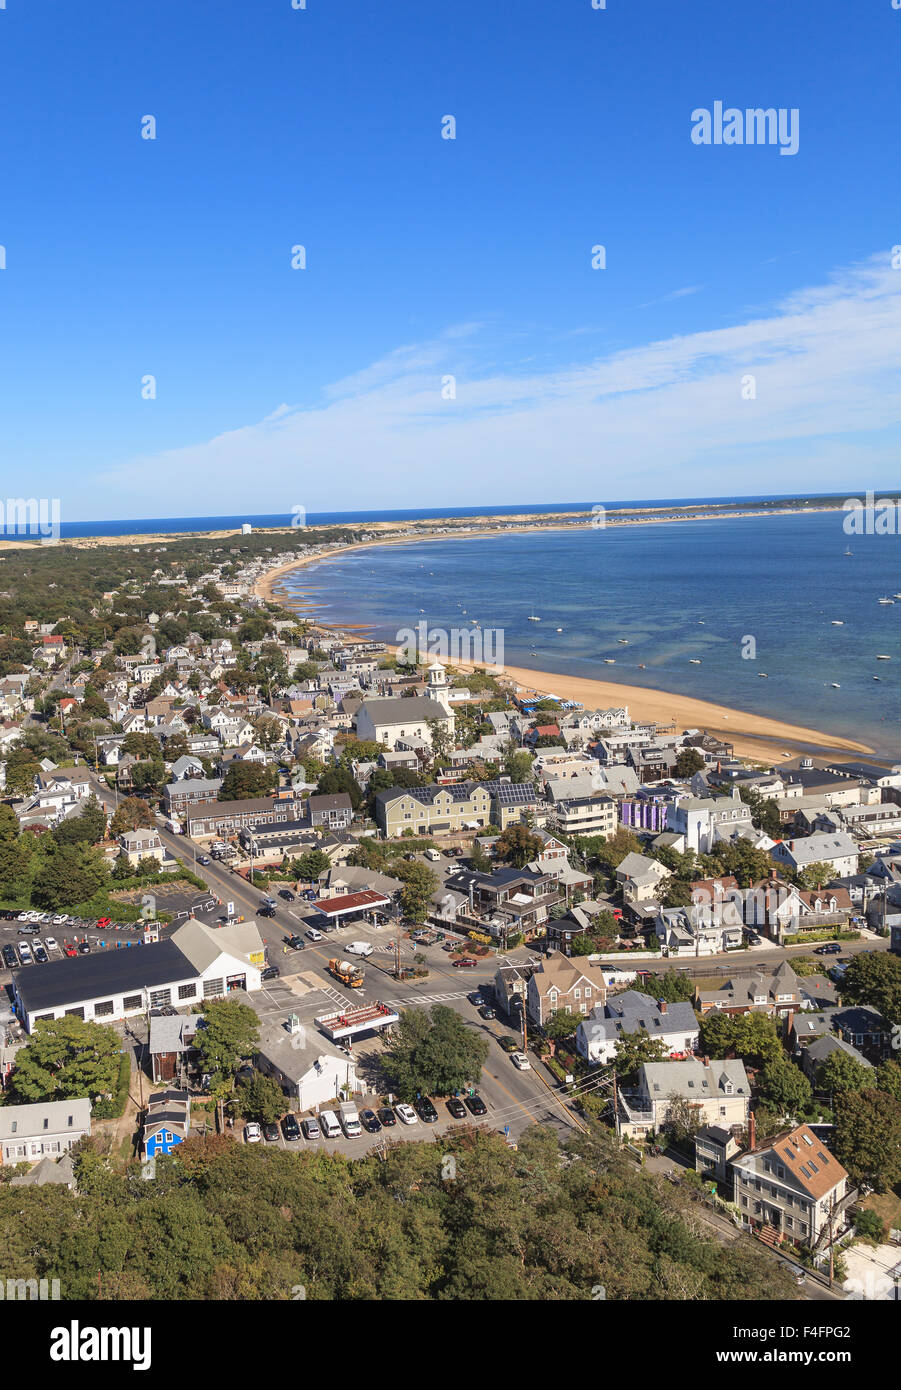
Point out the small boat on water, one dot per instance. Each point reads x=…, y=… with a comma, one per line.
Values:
x=609, y=660
x=877, y=678
x=694, y=661
x=623, y=641
x=763, y=675
x=880, y=656
x=641, y=666
x=838, y=622
x=848, y=550
x=886, y=600
x=835, y=685
x=559, y=629
x=533, y=618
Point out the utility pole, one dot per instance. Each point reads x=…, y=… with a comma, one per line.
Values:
x=831, y=1247
x=525, y=1029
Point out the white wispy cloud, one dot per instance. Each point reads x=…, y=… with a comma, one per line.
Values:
x=663, y=419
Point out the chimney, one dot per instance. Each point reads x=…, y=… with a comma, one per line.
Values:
x=662, y=1003
x=706, y=1061
x=752, y=1131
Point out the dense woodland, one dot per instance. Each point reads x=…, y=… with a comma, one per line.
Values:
x=464, y=1218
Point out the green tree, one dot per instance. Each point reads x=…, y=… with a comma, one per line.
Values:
x=132, y=813
x=672, y=986
x=66, y=1058
x=816, y=874
x=683, y=1120
x=70, y=875
x=562, y=1025
x=874, y=978
x=518, y=765
x=632, y=1050
x=868, y=1137
x=433, y=1054
x=419, y=883
x=229, y=1035
x=247, y=780
x=785, y=1087
x=518, y=845
x=262, y=1099
x=340, y=779
x=888, y=1078
x=842, y=1072
x=689, y=762
x=87, y=827
x=752, y=1037
x=309, y=865
x=676, y=893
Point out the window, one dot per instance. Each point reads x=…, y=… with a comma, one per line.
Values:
x=103, y=1010
x=212, y=988
x=131, y=1001
x=46, y=1124
x=159, y=997
x=187, y=991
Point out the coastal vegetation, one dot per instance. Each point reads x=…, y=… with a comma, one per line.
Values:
x=468, y=1219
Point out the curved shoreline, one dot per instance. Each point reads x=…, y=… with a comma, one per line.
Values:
x=753, y=736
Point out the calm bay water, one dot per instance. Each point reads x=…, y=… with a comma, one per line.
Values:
x=675, y=592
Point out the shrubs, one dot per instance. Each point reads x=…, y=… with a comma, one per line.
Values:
x=112, y=1109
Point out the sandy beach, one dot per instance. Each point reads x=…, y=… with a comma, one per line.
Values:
x=753, y=736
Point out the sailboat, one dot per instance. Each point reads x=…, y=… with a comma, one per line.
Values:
x=848, y=550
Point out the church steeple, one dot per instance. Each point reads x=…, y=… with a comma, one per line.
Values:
x=438, y=687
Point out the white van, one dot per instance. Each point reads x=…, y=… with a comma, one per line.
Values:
x=432, y=854
x=359, y=948
x=328, y=1123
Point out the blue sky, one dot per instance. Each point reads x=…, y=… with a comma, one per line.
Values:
x=428, y=258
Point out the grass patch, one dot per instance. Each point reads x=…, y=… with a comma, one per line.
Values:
x=887, y=1206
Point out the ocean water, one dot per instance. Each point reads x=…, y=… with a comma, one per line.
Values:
x=707, y=591
x=180, y=525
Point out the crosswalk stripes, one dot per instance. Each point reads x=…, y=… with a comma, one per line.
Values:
x=425, y=999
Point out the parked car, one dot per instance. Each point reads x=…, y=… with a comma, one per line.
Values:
x=60, y=920
x=50, y=943
x=295, y=942
x=832, y=948
x=508, y=1044
x=271, y=972
x=70, y=950
x=40, y=955
x=10, y=959
x=386, y=1117
x=266, y=911
x=286, y=894
x=358, y=948
x=290, y=1128
x=520, y=1061
x=465, y=963
x=448, y=946
x=426, y=1110
x=203, y=859
x=252, y=1134
x=313, y=934
x=477, y=999
x=487, y=1013
x=457, y=1108
x=311, y=1128
x=370, y=1121
x=270, y=1133
x=406, y=1114
x=476, y=1105
x=84, y=948
x=103, y=923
